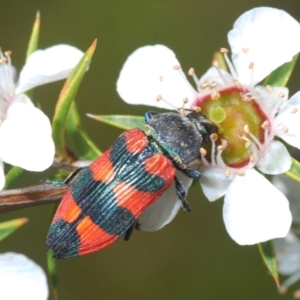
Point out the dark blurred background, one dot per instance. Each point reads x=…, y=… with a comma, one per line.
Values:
x=193, y=257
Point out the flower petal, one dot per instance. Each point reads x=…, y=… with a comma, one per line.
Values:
x=21, y=278
x=276, y=159
x=25, y=138
x=164, y=210
x=148, y=72
x=213, y=75
x=214, y=183
x=287, y=122
x=272, y=37
x=255, y=211
x=44, y=66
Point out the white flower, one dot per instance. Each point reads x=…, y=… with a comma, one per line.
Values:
x=25, y=131
x=262, y=40
x=21, y=278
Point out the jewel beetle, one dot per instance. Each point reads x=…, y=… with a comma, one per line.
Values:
x=105, y=199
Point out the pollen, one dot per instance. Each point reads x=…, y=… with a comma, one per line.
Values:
x=213, y=137
x=212, y=85
x=216, y=64
x=3, y=60
x=176, y=67
x=215, y=95
x=246, y=129
x=251, y=65
x=281, y=94
x=196, y=109
x=245, y=50
x=294, y=110
x=224, y=143
x=185, y=100
x=251, y=158
x=160, y=78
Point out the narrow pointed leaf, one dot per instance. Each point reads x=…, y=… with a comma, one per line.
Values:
x=52, y=270
x=66, y=97
x=12, y=176
x=8, y=227
x=33, y=43
x=78, y=140
x=294, y=171
x=282, y=74
x=266, y=250
x=121, y=121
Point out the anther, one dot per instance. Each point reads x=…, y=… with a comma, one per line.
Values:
x=212, y=84
x=227, y=173
x=191, y=71
x=203, y=151
x=216, y=64
x=294, y=110
x=204, y=85
x=246, y=128
x=237, y=83
x=185, y=100
x=160, y=78
x=285, y=129
x=196, y=109
x=281, y=94
x=220, y=148
x=245, y=50
x=224, y=50
x=248, y=144
x=7, y=53
x=251, y=65
x=158, y=98
x=251, y=158
x=176, y=67
x=3, y=60
x=224, y=143
x=269, y=88
x=265, y=124
x=213, y=137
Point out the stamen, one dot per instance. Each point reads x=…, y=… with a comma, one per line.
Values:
x=213, y=137
x=265, y=125
x=224, y=50
x=215, y=95
x=241, y=172
x=176, y=67
x=224, y=143
x=160, y=78
x=204, y=85
x=217, y=66
x=248, y=144
x=227, y=173
x=246, y=129
x=192, y=73
x=251, y=65
x=245, y=50
x=237, y=83
x=269, y=88
x=196, y=109
x=251, y=158
x=281, y=94
x=7, y=53
x=285, y=129
x=203, y=151
x=294, y=110
x=296, y=294
x=3, y=60
x=160, y=98
x=212, y=85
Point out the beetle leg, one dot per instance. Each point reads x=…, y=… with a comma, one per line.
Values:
x=129, y=231
x=149, y=115
x=181, y=193
x=191, y=173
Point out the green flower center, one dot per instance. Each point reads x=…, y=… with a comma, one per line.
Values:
x=232, y=110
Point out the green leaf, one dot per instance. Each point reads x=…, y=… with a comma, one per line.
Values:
x=12, y=175
x=66, y=97
x=8, y=227
x=282, y=74
x=294, y=171
x=52, y=270
x=78, y=139
x=120, y=121
x=33, y=43
x=266, y=250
